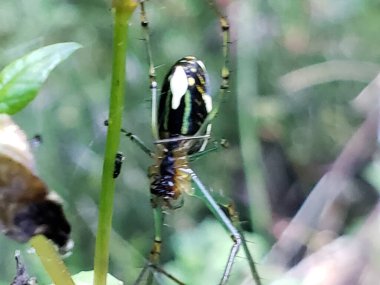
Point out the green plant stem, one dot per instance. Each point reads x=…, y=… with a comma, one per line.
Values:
x=247, y=95
x=51, y=260
x=122, y=11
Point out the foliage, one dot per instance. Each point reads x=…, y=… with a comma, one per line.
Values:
x=21, y=80
x=214, y=244
x=87, y=277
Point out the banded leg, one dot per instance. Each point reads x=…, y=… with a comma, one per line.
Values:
x=135, y=139
x=168, y=275
x=221, y=216
x=216, y=146
x=228, y=205
x=225, y=72
x=152, y=74
x=232, y=225
x=154, y=255
x=152, y=265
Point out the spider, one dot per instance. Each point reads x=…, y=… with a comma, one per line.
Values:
x=181, y=126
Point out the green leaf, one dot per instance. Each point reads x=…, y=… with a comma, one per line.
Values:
x=87, y=278
x=21, y=80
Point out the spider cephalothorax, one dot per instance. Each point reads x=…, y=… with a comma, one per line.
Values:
x=168, y=175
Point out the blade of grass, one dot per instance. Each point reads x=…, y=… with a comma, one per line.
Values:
x=122, y=11
x=51, y=260
x=247, y=94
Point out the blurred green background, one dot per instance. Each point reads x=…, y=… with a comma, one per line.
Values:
x=301, y=125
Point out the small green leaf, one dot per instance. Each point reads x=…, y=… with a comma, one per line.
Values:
x=87, y=278
x=21, y=80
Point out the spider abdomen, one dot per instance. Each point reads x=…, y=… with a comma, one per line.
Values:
x=185, y=101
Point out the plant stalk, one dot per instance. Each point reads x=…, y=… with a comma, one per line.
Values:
x=51, y=260
x=247, y=95
x=122, y=11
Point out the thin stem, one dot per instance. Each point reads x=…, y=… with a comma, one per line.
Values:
x=51, y=261
x=122, y=11
x=247, y=95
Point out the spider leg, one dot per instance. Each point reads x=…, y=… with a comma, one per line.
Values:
x=217, y=145
x=231, y=224
x=135, y=139
x=152, y=74
x=153, y=84
x=221, y=216
x=233, y=215
x=138, y=142
x=167, y=274
x=154, y=256
x=225, y=72
x=152, y=265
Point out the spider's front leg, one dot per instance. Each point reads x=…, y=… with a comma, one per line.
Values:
x=135, y=139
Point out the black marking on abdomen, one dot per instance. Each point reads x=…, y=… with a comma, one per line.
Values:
x=163, y=183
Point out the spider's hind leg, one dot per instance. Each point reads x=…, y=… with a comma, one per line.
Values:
x=230, y=223
x=152, y=265
x=154, y=255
